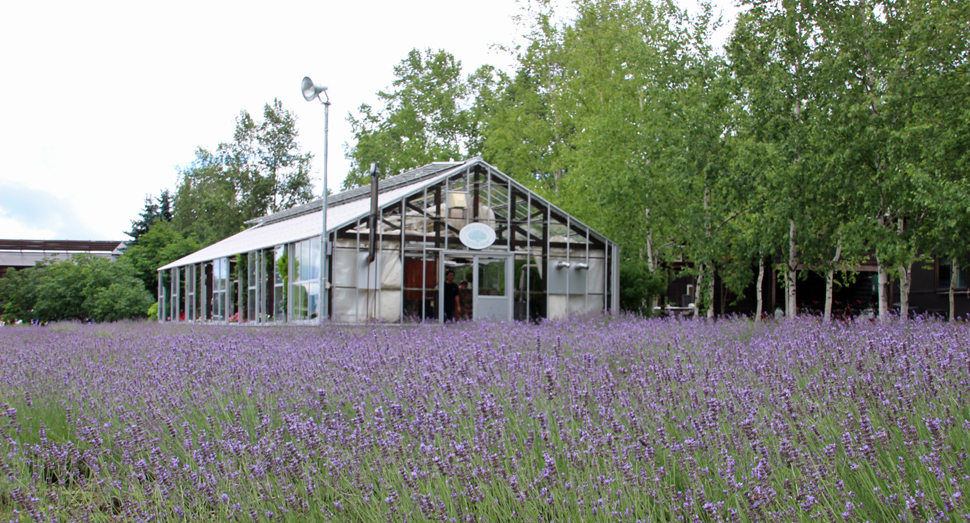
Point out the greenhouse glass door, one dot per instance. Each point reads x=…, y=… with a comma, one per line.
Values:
x=485, y=285
x=492, y=287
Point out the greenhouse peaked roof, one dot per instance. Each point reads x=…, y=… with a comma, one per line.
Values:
x=305, y=221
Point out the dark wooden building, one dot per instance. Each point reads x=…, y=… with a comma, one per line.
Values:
x=856, y=292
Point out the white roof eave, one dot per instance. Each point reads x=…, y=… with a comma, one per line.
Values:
x=301, y=227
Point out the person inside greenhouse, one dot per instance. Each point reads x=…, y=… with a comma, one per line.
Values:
x=452, y=307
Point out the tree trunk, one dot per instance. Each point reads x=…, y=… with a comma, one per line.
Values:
x=710, y=296
x=830, y=281
x=829, y=284
x=883, y=280
x=705, y=268
x=760, y=299
x=883, y=277
x=954, y=273
x=905, y=278
x=905, y=281
x=792, y=277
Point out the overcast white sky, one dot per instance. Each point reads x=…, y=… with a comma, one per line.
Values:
x=101, y=101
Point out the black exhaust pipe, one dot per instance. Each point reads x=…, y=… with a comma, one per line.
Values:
x=372, y=222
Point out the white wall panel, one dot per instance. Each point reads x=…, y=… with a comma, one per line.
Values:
x=344, y=267
x=595, y=281
x=556, y=306
x=357, y=306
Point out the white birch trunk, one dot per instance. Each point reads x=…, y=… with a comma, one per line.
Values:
x=760, y=299
x=830, y=281
x=883, y=280
x=704, y=268
x=905, y=278
x=829, y=284
x=792, y=276
x=905, y=282
x=710, y=296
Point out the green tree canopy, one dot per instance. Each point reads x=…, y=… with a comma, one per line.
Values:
x=623, y=112
x=162, y=244
x=427, y=116
x=261, y=171
x=85, y=287
x=826, y=131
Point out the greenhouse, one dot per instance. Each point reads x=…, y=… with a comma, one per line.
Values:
x=446, y=241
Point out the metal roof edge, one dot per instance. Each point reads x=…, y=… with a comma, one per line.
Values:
x=175, y=263
x=357, y=193
x=423, y=180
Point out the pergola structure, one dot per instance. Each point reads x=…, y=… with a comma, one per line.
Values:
x=23, y=254
x=521, y=257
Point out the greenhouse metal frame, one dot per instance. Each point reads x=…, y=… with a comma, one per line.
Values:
x=386, y=263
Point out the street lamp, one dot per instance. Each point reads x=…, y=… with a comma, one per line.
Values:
x=311, y=91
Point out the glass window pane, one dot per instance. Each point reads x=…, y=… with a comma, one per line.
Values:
x=279, y=305
x=279, y=254
x=305, y=260
x=251, y=269
x=946, y=271
x=313, y=305
x=491, y=276
x=300, y=300
x=315, y=259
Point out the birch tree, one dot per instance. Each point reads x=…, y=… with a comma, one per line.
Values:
x=773, y=55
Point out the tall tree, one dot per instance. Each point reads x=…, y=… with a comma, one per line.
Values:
x=892, y=54
x=621, y=112
x=153, y=212
x=162, y=244
x=425, y=117
x=935, y=143
x=529, y=127
x=776, y=55
x=265, y=162
x=209, y=201
x=859, y=39
x=261, y=171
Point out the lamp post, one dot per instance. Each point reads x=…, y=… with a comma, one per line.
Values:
x=311, y=91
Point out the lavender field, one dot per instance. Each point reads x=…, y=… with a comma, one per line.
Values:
x=601, y=419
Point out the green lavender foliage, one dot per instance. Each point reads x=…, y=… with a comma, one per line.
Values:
x=597, y=419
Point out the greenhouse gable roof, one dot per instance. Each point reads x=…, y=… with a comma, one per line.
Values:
x=305, y=221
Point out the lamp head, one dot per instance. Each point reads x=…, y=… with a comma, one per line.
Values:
x=310, y=89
